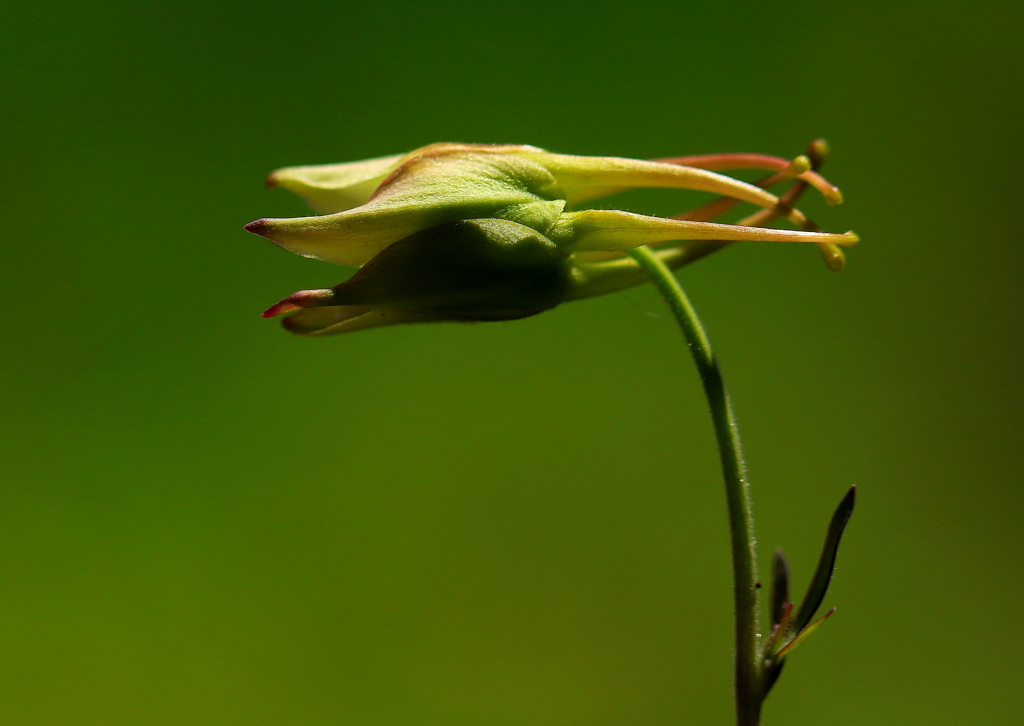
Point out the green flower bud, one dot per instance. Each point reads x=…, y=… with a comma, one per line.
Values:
x=475, y=232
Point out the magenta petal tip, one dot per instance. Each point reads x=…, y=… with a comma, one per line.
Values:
x=258, y=227
x=285, y=306
x=299, y=300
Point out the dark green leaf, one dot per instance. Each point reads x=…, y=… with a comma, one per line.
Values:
x=819, y=583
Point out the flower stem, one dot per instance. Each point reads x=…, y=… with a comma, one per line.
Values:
x=741, y=520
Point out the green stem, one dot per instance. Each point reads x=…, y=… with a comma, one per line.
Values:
x=741, y=519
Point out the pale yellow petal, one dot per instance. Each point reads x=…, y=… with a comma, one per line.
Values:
x=330, y=188
x=599, y=229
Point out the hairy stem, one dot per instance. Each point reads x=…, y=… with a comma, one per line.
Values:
x=741, y=520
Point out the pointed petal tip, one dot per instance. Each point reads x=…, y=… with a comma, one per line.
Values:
x=299, y=301
x=272, y=180
x=285, y=306
x=260, y=227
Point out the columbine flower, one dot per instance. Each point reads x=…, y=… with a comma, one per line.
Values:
x=471, y=232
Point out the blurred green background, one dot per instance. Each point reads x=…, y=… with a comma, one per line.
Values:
x=204, y=520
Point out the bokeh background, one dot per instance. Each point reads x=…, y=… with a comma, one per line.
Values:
x=204, y=520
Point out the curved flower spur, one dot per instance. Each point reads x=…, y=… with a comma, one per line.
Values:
x=473, y=232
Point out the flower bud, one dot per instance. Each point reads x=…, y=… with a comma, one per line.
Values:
x=477, y=232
